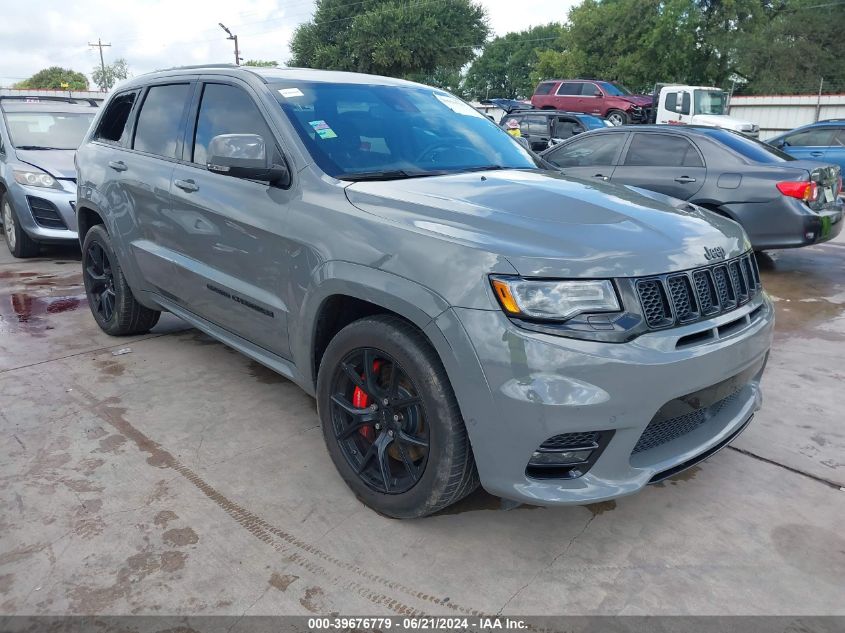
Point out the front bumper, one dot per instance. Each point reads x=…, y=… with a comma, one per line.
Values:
x=536, y=386
x=62, y=200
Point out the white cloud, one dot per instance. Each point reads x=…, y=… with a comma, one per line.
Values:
x=153, y=34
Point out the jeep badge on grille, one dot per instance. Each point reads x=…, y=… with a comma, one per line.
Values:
x=717, y=252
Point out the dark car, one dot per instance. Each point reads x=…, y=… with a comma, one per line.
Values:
x=591, y=96
x=543, y=128
x=781, y=202
x=823, y=141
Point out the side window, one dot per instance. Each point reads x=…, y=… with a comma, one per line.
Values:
x=672, y=101
x=685, y=103
x=569, y=90
x=838, y=139
x=662, y=150
x=113, y=126
x=596, y=150
x=822, y=136
x=590, y=90
x=226, y=109
x=159, y=126
x=538, y=125
x=544, y=88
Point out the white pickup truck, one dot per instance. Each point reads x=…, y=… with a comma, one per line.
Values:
x=697, y=105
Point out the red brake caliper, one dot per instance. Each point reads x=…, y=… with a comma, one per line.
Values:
x=361, y=400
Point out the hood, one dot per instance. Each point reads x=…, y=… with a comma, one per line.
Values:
x=725, y=121
x=56, y=162
x=644, y=101
x=547, y=224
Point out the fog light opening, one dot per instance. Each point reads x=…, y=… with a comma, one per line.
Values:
x=567, y=456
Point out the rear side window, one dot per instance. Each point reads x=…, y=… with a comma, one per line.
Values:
x=113, y=124
x=226, y=109
x=662, y=150
x=544, y=88
x=159, y=126
x=594, y=150
x=746, y=147
x=569, y=89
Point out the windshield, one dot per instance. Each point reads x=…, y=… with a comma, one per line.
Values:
x=355, y=131
x=750, y=148
x=615, y=90
x=710, y=102
x=49, y=130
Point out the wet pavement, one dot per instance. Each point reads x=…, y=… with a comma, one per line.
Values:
x=181, y=477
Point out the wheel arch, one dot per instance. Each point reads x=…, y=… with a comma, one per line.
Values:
x=86, y=217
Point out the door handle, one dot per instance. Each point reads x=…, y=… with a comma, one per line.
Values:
x=602, y=176
x=684, y=179
x=188, y=186
x=817, y=154
x=118, y=165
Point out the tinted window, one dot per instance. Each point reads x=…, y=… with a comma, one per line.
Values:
x=839, y=139
x=538, y=125
x=593, y=150
x=614, y=90
x=672, y=101
x=812, y=138
x=566, y=127
x=50, y=130
x=113, y=124
x=747, y=147
x=159, y=124
x=227, y=110
x=590, y=90
x=374, y=129
x=569, y=89
x=544, y=88
x=662, y=150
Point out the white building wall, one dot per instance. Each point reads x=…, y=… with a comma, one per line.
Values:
x=780, y=113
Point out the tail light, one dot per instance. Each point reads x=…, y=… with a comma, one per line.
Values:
x=806, y=191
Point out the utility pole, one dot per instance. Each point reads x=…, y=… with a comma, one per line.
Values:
x=100, y=45
x=235, y=38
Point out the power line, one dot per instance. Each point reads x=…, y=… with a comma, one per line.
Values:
x=100, y=45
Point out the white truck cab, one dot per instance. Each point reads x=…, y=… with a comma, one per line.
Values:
x=698, y=105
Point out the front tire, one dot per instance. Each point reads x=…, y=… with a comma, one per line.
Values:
x=20, y=244
x=111, y=300
x=618, y=117
x=391, y=421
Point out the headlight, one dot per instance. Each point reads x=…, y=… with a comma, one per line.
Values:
x=36, y=179
x=554, y=300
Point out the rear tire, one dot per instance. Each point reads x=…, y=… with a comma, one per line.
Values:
x=410, y=480
x=20, y=244
x=111, y=300
x=618, y=117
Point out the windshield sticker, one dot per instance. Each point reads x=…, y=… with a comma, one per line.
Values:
x=287, y=93
x=322, y=129
x=456, y=105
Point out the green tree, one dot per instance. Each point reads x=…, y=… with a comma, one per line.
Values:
x=261, y=63
x=390, y=37
x=55, y=78
x=106, y=79
x=505, y=66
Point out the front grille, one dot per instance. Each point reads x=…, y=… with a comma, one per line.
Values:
x=570, y=440
x=45, y=213
x=662, y=431
x=681, y=298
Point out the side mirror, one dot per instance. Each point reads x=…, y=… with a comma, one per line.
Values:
x=244, y=156
x=598, y=93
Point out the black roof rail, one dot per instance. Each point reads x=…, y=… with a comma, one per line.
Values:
x=199, y=66
x=40, y=98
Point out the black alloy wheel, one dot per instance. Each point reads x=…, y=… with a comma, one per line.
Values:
x=99, y=281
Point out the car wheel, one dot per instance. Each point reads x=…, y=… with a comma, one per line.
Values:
x=391, y=421
x=19, y=242
x=617, y=117
x=111, y=300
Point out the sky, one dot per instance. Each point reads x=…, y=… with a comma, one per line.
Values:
x=154, y=34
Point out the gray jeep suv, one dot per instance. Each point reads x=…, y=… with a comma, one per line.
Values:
x=461, y=314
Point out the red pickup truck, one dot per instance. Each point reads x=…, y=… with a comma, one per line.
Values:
x=591, y=96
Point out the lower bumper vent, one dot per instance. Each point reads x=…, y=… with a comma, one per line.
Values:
x=45, y=213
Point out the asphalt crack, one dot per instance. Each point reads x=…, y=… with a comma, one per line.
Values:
x=797, y=471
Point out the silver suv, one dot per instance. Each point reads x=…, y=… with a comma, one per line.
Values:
x=461, y=313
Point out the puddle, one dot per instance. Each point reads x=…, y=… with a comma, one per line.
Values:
x=22, y=312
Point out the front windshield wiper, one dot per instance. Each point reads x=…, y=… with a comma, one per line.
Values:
x=26, y=147
x=392, y=174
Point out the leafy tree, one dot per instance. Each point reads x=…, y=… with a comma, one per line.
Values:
x=390, y=37
x=504, y=68
x=261, y=63
x=118, y=71
x=55, y=78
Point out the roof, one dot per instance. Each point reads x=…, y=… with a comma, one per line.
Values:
x=272, y=75
x=45, y=106
x=547, y=112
